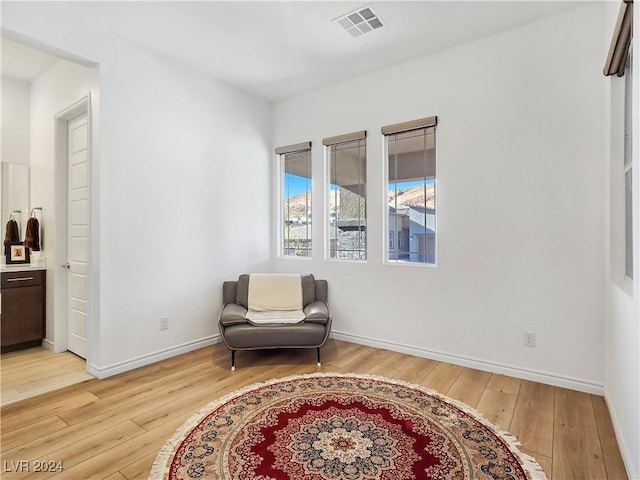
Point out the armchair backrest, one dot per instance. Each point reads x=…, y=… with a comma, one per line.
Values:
x=322, y=290
x=237, y=291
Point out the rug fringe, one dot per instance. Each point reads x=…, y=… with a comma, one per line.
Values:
x=160, y=468
x=532, y=468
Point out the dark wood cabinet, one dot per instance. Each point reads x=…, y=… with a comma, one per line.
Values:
x=23, y=309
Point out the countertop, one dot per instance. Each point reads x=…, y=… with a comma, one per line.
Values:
x=22, y=267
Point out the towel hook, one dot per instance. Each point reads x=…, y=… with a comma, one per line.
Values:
x=33, y=209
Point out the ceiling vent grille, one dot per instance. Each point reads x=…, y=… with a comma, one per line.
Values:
x=359, y=21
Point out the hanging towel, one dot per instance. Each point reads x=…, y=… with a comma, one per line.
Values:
x=32, y=235
x=12, y=235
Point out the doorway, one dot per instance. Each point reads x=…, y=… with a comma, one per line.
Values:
x=72, y=226
x=49, y=84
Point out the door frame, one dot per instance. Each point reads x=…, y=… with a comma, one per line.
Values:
x=60, y=212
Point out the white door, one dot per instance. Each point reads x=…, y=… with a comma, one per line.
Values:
x=77, y=236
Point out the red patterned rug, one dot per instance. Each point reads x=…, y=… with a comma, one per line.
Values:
x=340, y=427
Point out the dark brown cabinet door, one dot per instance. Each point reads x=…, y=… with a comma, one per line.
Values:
x=23, y=308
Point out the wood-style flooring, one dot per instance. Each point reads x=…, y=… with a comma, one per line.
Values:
x=27, y=373
x=112, y=429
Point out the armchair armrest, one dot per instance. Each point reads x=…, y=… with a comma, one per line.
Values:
x=317, y=312
x=232, y=314
x=229, y=290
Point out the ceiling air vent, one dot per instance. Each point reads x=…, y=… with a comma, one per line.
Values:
x=361, y=20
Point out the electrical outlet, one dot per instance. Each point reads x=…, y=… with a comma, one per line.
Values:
x=529, y=339
x=164, y=323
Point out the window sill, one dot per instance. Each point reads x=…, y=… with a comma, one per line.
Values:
x=410, y=264
x=344, y=260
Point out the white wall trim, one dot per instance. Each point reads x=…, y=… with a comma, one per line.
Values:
x=493, y=367
x=47, y=344
x=622, y=446
x=130, y=364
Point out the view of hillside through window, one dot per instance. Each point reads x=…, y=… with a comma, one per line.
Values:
x=410, y=197
x=296, y=204
x=411, y=194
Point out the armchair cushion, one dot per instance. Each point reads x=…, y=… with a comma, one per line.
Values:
x=251, y=337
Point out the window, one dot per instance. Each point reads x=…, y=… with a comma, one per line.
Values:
x=410, y=173
x=295, y=199
x=391, y=241
x=347, y=172
x=628, y=175
x=619, y=62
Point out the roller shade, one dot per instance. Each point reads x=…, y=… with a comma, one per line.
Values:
x=347, y=137
x=298, y=147
x=619, y=48
x=411, y=125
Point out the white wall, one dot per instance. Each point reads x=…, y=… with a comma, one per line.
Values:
x=622, y=315
x=520, y=202
x=522, y=206
x=178, y=161
x=15, y=121
x=183, y=162
x=56, y=89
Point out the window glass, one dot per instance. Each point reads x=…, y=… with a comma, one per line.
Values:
x=628, y=215
x=411, y=195
x=296, y=204
x=628, y=182
x=347, y=200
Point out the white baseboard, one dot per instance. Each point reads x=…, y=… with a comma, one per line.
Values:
x=493, y=367
x=47, y=344
x=126, y=365
x=518, y=372
x=627, y=458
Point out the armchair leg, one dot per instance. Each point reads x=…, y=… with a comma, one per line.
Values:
x=318, y=351
x=233, y=360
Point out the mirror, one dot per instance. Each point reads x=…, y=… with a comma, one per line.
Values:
x=14, y=196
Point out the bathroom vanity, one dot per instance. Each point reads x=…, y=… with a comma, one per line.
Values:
x=22, y=314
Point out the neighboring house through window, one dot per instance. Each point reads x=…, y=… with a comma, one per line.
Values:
x=295, y=200
x=410, y=173
x=347, y=173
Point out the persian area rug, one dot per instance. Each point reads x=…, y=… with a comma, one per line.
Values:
x=340, y=427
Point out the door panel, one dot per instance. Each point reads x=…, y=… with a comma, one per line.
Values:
x=77, y=237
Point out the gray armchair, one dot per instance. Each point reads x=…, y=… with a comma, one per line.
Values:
x=239, y=334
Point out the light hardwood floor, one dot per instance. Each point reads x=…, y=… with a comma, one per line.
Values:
x=27, y=373
x=113, y=428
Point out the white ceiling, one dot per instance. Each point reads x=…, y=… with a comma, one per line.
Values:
x=279, y=49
